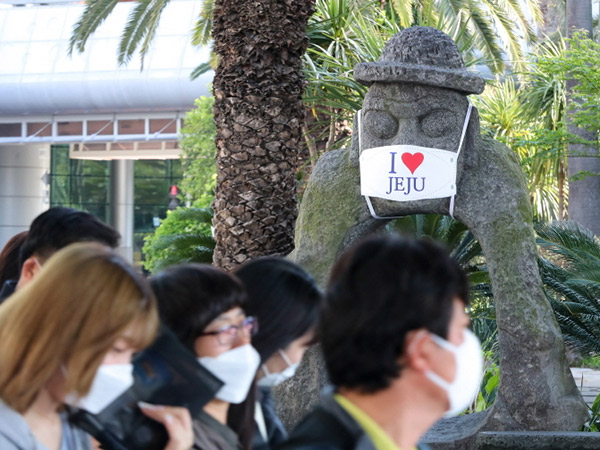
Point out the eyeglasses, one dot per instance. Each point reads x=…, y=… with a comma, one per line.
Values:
x=228, y=333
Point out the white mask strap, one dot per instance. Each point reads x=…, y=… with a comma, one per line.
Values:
x=265, y=370
x=462, y=138
x=285, y=358
x=464, y=129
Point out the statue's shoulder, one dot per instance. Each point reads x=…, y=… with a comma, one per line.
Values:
x=334, y=161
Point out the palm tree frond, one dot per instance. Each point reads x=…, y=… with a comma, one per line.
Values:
x=95, y=12
x=140, y=29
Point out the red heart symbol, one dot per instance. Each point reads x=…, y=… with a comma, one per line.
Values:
x=412, y=161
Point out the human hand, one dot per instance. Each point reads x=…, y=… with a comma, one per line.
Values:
x=176, y=420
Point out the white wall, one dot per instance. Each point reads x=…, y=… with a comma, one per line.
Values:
x=23, y=194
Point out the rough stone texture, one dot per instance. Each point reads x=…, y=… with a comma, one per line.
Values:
x=537, y=441
x=537, y=391
x=422, y=55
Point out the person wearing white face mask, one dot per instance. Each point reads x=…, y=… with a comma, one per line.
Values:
x=286, y=300
x=54, y=335
x=204, y=307
x=396, y=346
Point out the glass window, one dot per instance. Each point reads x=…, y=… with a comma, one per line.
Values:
x=153, y=180
x=79, y=183
x=85, y=184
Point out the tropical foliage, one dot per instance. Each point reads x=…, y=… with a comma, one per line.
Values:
x=581, y=64
x=198, y=154
x=570, y=270
x=527, y=114
x=183, y=236
x=495, y=29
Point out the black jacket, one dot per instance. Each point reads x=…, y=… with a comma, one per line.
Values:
x=330, y=427
x=276, y=433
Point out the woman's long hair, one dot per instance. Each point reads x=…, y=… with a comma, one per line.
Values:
x=284, y=298
x=84, y=299
x=286, y=301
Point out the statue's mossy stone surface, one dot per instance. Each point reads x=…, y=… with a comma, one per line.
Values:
x=426, y=107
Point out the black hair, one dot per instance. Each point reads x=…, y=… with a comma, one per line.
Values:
x=286, y=301
x=378, y=291
x=58, y=227
x=10, y=264
x=190, y=296
x=284, y=298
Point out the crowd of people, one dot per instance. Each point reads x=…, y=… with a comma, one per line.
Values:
x=391, y=325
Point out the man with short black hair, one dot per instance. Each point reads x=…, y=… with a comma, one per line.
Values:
x=396, y=346
x=52, y=230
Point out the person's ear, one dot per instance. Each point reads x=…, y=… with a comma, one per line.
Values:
x=418, y=350
x=29, y=269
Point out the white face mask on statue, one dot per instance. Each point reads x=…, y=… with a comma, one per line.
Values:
x=236, y=368
x=404, y=172
x=110, y=381
x=274, y=379
x=469, y=370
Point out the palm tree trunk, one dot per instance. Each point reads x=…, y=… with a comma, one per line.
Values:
x=259, y=115
x=584, y=198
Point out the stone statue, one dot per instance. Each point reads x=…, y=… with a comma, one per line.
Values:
x=418, y=95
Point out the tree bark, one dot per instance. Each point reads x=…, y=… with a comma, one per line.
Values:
x=259, y=115
x=553, y=12
x=584, y=198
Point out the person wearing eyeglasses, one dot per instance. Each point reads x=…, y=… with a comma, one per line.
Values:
x=204, y=306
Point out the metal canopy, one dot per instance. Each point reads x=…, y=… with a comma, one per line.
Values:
x=48, y=96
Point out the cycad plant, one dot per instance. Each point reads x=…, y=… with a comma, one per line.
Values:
x=570, y=270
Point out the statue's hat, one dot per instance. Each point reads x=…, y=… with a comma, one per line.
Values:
x=421, y=55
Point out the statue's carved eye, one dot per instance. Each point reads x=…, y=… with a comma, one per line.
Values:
x=380, y=124
x=438, y=123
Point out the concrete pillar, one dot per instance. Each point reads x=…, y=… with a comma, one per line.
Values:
x=24, y=189
x=121, y=204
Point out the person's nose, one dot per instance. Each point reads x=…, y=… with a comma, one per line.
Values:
x=242, y=338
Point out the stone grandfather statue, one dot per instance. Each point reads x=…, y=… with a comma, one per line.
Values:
x=418, y=97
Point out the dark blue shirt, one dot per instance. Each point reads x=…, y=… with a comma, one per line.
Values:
x=7, y=290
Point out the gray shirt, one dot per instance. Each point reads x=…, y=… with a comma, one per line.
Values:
x=15, y=434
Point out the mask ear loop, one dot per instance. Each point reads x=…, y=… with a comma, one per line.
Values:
x=460, y=144
x=367, y=198
x=285, y=357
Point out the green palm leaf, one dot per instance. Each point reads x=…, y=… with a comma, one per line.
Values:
x=140, y=29
x=95, y=12
x=404, y=9
x=201, y=33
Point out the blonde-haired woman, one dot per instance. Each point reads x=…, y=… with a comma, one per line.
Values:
x=85, y=304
